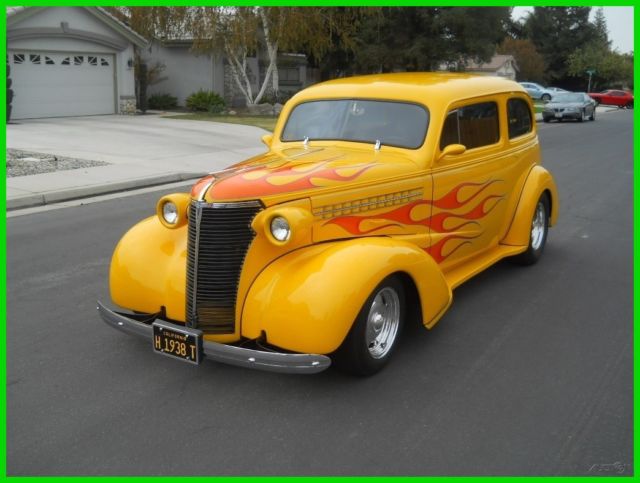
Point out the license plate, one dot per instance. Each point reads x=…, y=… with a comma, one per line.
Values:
x=558, y=114
x=177, y=342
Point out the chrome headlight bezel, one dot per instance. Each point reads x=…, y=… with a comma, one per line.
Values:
x=280, y=229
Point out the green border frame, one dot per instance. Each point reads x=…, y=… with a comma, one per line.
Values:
x=371, y=3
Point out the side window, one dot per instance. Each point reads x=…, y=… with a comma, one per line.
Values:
x=519, y=117
x=474, y=126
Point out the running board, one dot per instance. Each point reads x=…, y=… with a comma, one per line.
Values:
x=457, y=276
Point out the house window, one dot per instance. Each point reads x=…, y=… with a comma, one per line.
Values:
x=18, y=58
x=48, y=60
x=34, y=58
x=92, y=60
x=289, y=75
x=78, y=59
x=104, y=61
x=66, y=61
x=473, y=126
x=519, y=117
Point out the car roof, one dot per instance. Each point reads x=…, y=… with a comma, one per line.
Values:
x=411, y=86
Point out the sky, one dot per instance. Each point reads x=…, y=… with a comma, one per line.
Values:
x=619, y=24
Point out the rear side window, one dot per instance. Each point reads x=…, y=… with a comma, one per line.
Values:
x=519, y=117
x=473, y=126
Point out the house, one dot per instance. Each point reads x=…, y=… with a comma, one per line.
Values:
x=70, y=61
x=186, y=71
x=499, y=65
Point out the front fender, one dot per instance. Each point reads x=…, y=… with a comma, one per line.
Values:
x=538, y=181
x=307, y=300
x=148, y=269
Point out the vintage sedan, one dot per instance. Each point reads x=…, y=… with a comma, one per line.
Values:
x=376, y=198
x=570, y=105
x=613, y=97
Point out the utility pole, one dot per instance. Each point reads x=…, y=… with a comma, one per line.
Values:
x=590, y=72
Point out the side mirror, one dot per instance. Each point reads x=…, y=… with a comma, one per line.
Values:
x=452, y=150
x=267, y=139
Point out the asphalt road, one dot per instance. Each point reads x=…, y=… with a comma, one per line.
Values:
x=529, y=372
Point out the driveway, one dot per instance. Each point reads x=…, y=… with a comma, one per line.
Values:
x=148, y=141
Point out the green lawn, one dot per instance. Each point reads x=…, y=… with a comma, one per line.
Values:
x=265, y=122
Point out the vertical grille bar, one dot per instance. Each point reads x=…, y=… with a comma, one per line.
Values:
x=219, y=237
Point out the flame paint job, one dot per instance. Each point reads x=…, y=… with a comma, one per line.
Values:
x=410, y=214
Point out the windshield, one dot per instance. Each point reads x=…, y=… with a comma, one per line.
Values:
x=392, y=123
x=568, y=98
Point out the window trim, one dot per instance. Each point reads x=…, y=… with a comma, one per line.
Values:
x=468, y=103
x=531, y=117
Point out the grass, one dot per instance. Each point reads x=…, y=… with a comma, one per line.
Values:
x=265, y=122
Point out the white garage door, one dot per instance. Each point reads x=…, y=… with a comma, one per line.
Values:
x=61, y=84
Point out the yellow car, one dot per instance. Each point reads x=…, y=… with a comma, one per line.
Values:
x=378, y=195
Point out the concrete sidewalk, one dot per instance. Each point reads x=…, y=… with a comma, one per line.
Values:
x=142, y=151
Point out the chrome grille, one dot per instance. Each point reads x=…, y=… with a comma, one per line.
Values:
x=219, y=237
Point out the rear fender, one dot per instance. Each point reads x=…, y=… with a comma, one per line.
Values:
x=307, y=300
x=538, y=182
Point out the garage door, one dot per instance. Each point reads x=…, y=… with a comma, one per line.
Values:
x=61, y=84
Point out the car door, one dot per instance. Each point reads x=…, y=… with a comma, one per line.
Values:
x=473, y=197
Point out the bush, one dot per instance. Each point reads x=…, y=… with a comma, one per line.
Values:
x=163, y=101
x=205, y=101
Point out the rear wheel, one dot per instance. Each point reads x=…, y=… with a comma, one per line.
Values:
x=374, y=334
x=539, y=231
x=545, y=97
x=629, y=105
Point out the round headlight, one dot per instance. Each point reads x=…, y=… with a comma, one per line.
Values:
x=170, y=212
x=280, y=229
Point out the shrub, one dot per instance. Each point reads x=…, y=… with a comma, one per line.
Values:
x=205, y=101
x=163, y=101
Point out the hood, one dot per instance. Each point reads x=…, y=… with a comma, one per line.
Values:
x=300, y=169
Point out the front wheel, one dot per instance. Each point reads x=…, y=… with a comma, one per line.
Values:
x=374, y=334
x=539, y=231
x=583, y=116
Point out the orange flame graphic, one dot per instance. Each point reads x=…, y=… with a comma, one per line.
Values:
x=261, y=181
x=402, y=216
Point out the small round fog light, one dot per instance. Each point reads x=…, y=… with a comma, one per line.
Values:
x=280, y=229
x=170, y=212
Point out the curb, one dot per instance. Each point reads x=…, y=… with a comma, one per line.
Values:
x=29, y=201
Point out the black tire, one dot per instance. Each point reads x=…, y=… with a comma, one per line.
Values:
x=357, y=355
x=583, y=116
x=536, y=243
x=593, y=115
x=629, y=105
x=545, y=97
x=546, y=119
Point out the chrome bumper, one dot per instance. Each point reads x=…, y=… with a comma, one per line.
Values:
x=228, y=354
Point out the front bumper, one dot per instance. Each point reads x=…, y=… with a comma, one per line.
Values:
x=550, y=116
x=228, y=354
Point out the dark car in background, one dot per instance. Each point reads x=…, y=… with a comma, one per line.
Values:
x=612, y=97
x=570, y=105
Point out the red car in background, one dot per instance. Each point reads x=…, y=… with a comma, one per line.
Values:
x=613, y=98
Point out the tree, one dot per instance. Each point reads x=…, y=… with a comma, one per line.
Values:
x=611, y=68
x=530, y=63
x=407, y=38
x=557, y=32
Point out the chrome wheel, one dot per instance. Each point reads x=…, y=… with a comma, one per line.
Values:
x=538, y=226
x=383, y=322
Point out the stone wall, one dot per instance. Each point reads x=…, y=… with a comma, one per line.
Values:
x=127, y=105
